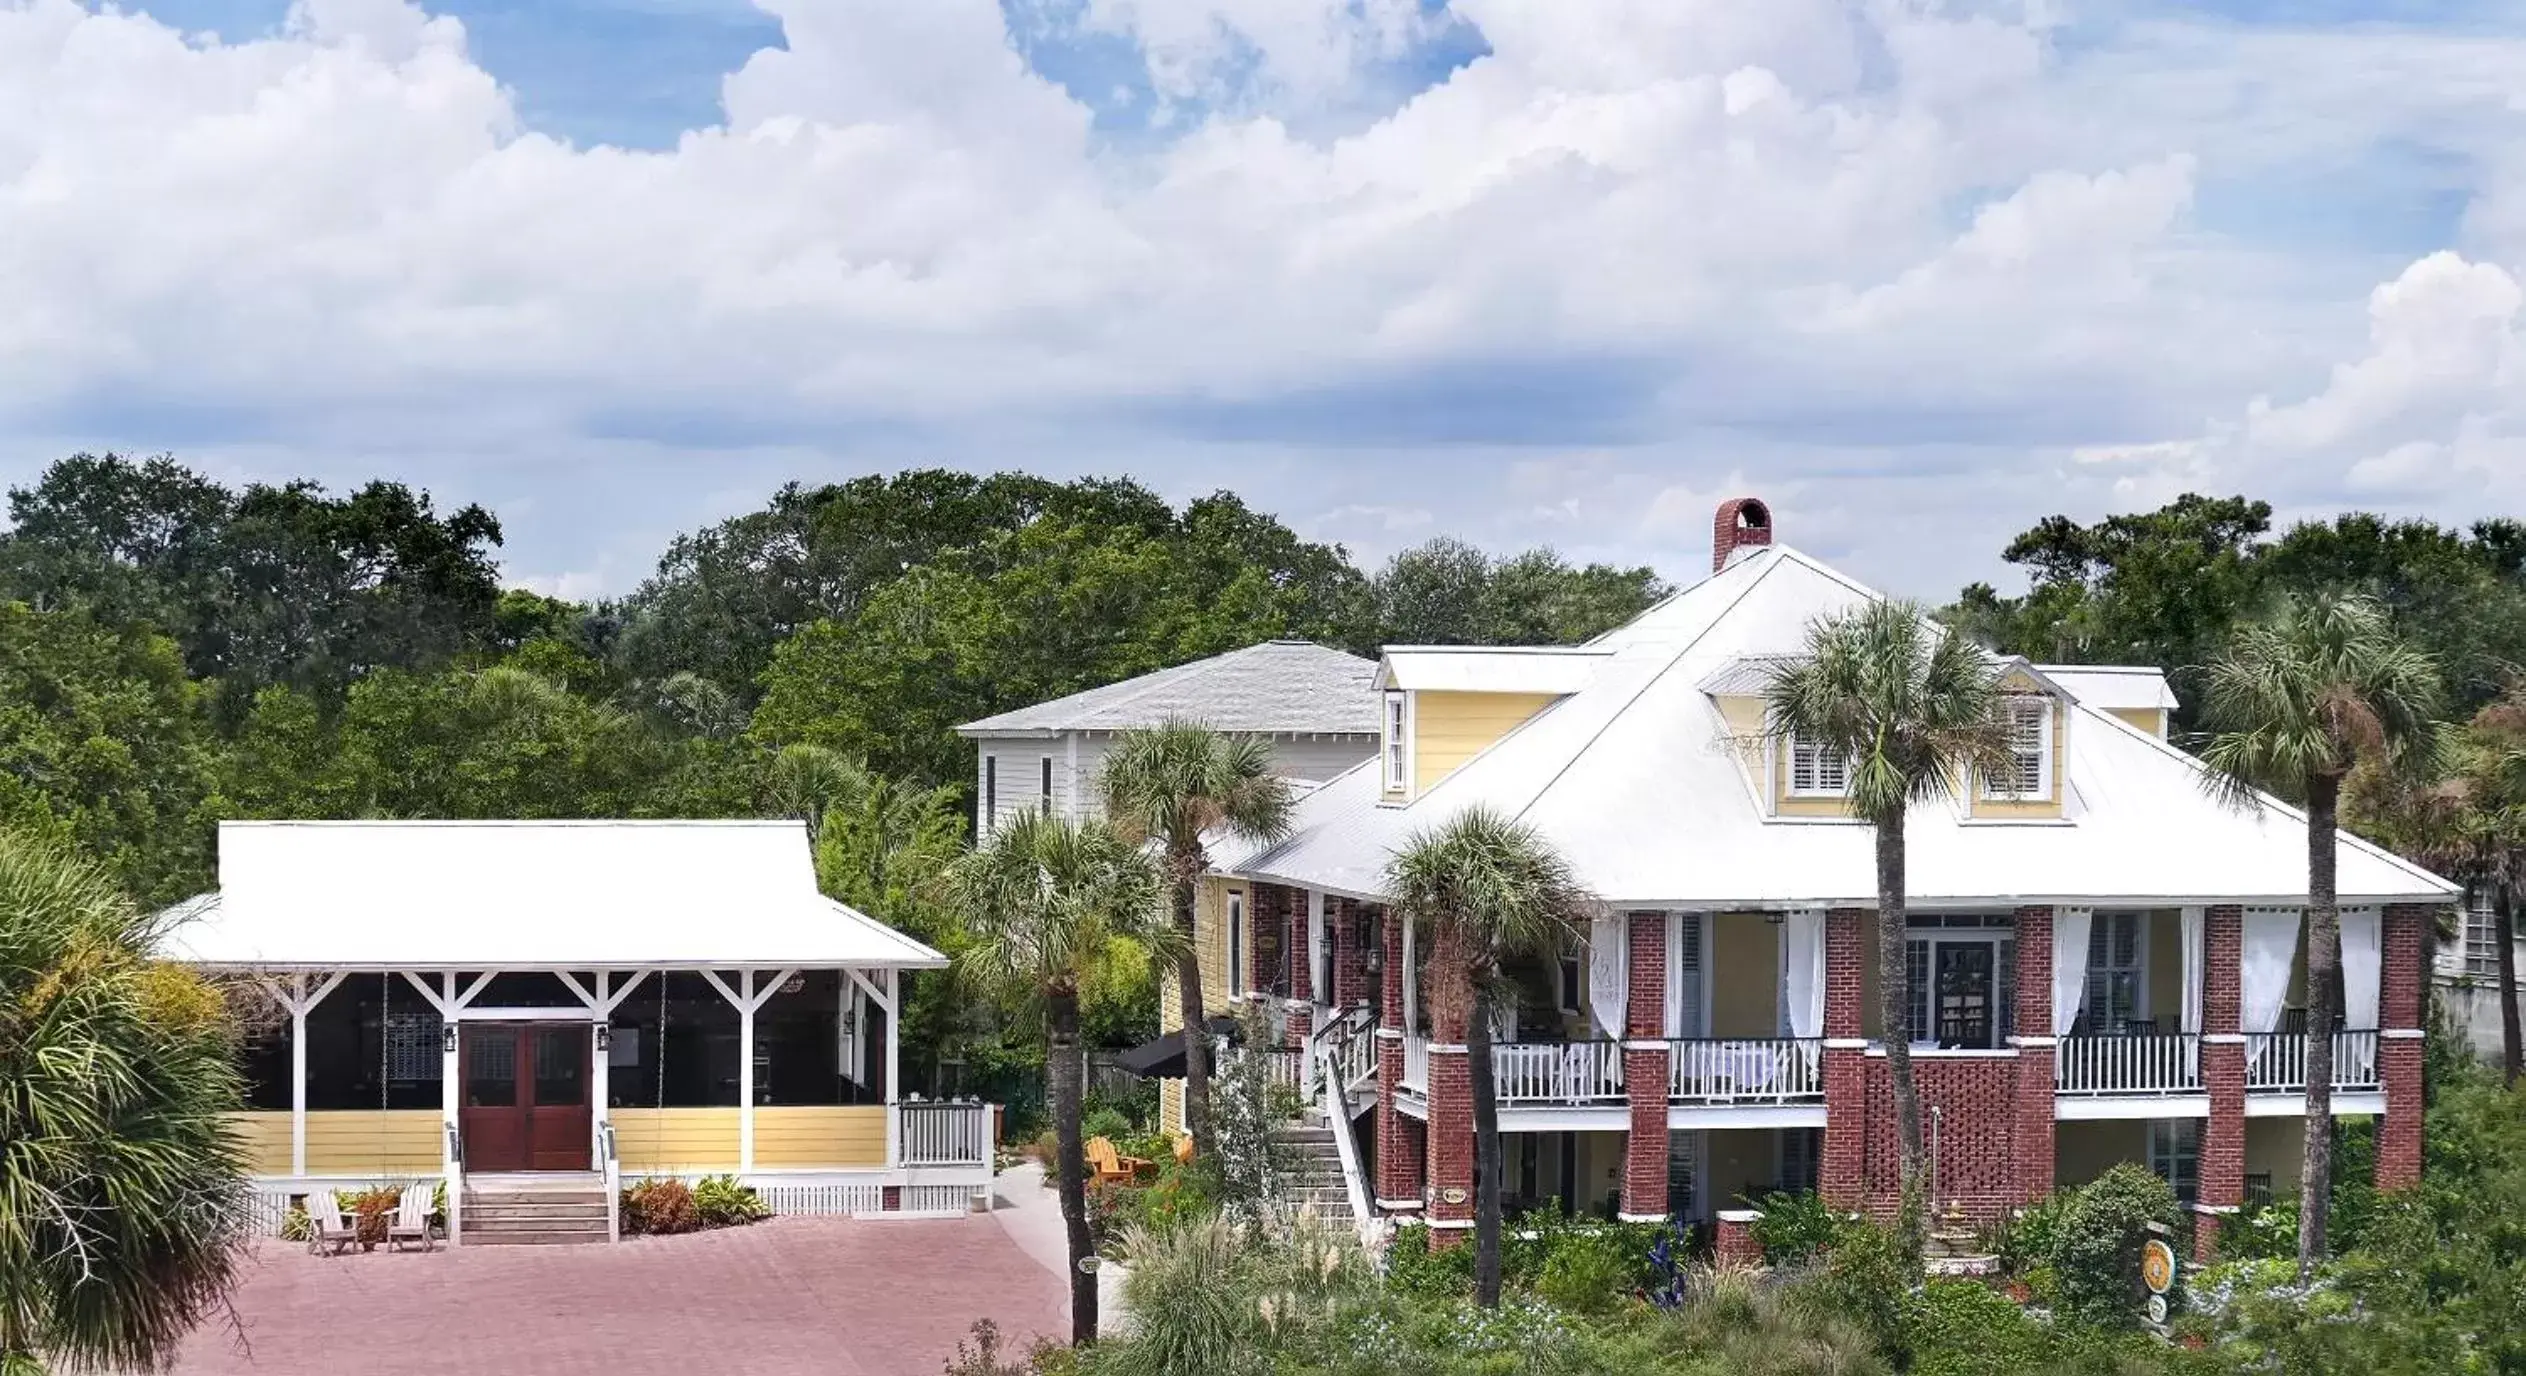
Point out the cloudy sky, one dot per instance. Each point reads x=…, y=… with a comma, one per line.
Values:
x=1565, y=271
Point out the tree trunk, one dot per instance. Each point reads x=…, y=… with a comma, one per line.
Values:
x=1486, y=1117
x=2504, y=934
x=1061, y=1075
x=1196, y=1034
x=2324, y=1009
x=1894, y=1016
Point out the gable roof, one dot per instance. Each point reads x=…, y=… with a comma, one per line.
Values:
x=1276, y=686
x=2114, y=687
x=1631, y=779
x=1551, y=669
x=525, y=895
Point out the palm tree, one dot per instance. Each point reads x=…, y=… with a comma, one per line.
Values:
x=2293, y=706
x=122, y=1189
x=1045, y=896
x=1913, y=710
x=1487, y=887
x=1175, y=784
x=808, y=781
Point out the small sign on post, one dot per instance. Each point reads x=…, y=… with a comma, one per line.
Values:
x=2157, y=1273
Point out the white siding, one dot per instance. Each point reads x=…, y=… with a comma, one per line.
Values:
x=1078, y=761
x=1318, y=758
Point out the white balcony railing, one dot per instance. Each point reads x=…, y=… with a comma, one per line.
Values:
x=1416, y=1064
x=2154, y=1063
x=2276, y=1062
x=1558, y=1072
x=1761, y=1070
x=945, y=1134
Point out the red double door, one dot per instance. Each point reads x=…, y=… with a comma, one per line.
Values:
x=526, y=1096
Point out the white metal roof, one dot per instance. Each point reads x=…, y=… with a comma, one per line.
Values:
x=526, y=895
x=2113, y=687
x=1277, y=686
x=1632, y=778
x=1474, y=669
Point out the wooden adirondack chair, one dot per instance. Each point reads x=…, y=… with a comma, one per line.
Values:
x=411, y=1222
x=330, y=1233
x=1111, y=1165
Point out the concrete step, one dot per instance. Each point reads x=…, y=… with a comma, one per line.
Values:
x=545, y=1239
x=531, y=1213
x=556, y=1195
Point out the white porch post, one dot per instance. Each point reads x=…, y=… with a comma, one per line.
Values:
x=600, y=1075
x=1411, y=987
x=298, y=1074
x=745, y=1070
x=451, y=1087
x=894, y=1063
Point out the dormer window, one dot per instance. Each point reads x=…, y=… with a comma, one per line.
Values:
x=1817, y=772
x=1397, y=756
x=2028, y=775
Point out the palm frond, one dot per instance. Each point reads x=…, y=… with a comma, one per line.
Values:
x=2309, y=692
x=1913, y=707
x=1045, y=896
x=1180, y=781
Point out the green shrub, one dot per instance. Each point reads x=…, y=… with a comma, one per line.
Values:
x=2096, y=1249
x=1588, y=1272
x=1862, y=1284
x=297, y=1226
x=2027, y=1241
x=1794, y=1228
x=659, y=1205
x=1104, y=1122
x=720, y=1202
x=1414, y=1268
x=1963, y=1328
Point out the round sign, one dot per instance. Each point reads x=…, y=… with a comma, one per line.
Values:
x=2157, y=1267
x=1452, y=1195
x=1090, y=1264
x=2157, y=1310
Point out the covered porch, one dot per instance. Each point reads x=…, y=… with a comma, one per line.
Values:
x=572, y=999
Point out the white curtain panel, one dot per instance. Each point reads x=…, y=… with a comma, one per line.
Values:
x=2196, y=966
x=2361, y=937
x=1609, y=978
x=2069, y=966
x=2271, y=942
x=1802, y=971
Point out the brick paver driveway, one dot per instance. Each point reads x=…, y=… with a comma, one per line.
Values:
x=783, y=1298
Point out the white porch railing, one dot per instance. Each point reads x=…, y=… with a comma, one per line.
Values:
x=1416, y=1064
x=946, y=1134
x=2276, y=1062
x=1769, y=1070
x=2162, y=1063
x=1557, y=1072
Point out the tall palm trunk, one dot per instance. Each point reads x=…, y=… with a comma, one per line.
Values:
x=1486, y=1116
x=2324, y=1009
x=1062, y=1075
x=1196, y=1031
x=1894, y=1016
x=2504, y=934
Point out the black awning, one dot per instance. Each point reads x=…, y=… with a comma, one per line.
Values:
x=1162, y=1057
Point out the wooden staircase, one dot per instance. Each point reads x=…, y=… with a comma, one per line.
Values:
x=1314, y=1180
x=545, y=1209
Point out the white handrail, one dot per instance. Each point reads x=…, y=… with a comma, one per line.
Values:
x=455, y=1182
x=946, y=1133
x=1416, y=1064
x=1337, y=1116
x=1557, y=1072
x=613, y=1181
x=2276, y=1062
x=2156, y=1063
x=1740, y=1070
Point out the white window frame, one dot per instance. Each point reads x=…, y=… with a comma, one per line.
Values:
x=1394, y=750
x=990, y=795
x=1821, y=766
x=2175, y=1145
x=1925, y=937
x=1045, y=777
x=2017, y=707
x=1236, y=943
x=2479, y=942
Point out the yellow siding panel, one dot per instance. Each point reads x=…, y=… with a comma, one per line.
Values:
x=2039, y=809
x=649, y=1141
x=791, y=1137
x=1744, y=955
x=1450, y=728
x=2148, y=719
x=372, y=1142
x=264, y=1138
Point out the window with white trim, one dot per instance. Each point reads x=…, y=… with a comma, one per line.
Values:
x=1236, y=943
x=1047, y=785
x=2029, y=775
x=2482, y=935
x=1817, y=772
x=1397, y=756
x=990, y=794
x=2175, y=1154
x=414, y=1046
x=2117, y=950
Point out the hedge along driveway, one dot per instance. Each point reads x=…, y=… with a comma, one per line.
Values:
x=793, y=1295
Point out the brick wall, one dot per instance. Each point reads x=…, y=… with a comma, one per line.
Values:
x=1267, y=937
x=2221, y=1179
x=1974, y=1145
x=1644, y=1070
x=2035, y=1055
x=1842, y=1176
x=1350, y=957
x=1450, y=1140
x=1399, y=1151
x=2404, y=938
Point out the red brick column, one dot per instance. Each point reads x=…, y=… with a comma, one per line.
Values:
x=1350, y=957
x=1645, y=1070
x=1302, y=969
x=1450, y=1141
x=2036, y=1049
x=1398, y=1147
x=2405, y=936
x=1736, y=1246
x=1842, y=1176
x=2220, y=1188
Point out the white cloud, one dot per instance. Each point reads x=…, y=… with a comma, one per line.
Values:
x=1874, y=242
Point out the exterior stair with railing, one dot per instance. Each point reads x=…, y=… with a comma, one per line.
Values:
x=1313, y=1175
x=538, y=1210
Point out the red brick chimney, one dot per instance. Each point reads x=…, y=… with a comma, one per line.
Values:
x=1742, y=523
